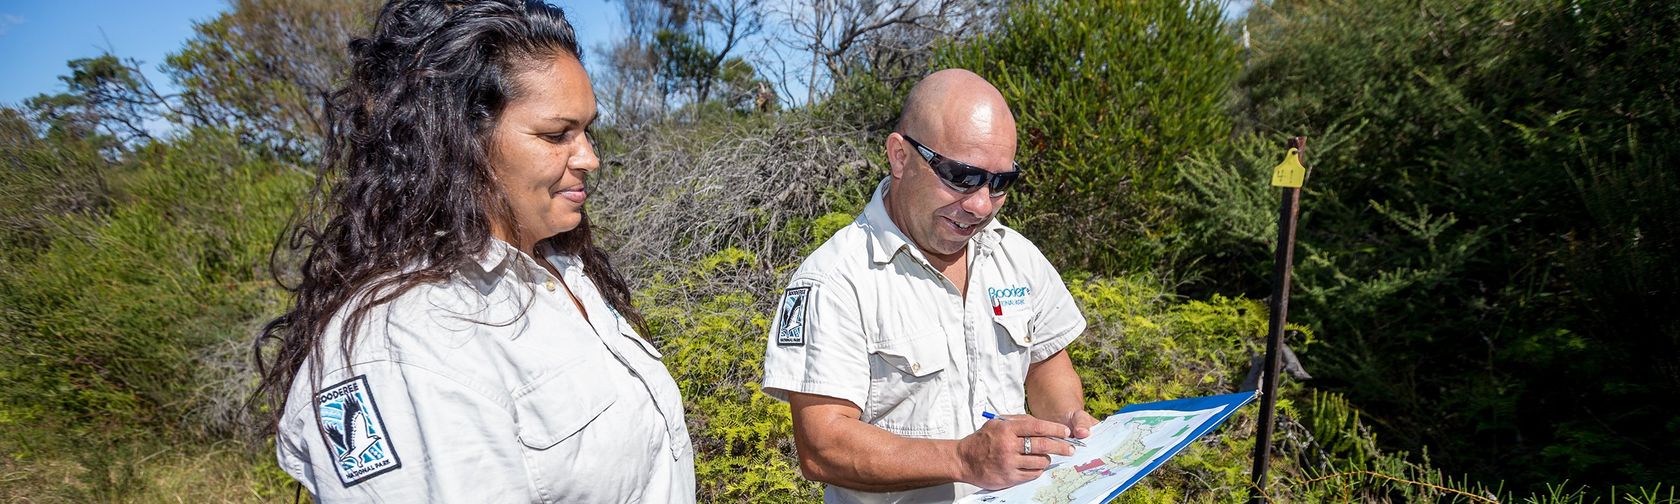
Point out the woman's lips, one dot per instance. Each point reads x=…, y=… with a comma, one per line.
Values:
x=575, y=194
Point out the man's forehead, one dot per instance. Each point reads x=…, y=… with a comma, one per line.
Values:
x=982, y=136
x=982, y=120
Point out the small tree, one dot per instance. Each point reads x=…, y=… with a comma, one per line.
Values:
x=678, y=54
x=265, y=66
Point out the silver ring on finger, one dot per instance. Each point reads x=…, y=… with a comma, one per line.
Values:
x=1026, y=446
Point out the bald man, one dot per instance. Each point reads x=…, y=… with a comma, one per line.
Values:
x=895, y=336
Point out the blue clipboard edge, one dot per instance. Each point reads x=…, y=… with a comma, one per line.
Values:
x=1231, y=403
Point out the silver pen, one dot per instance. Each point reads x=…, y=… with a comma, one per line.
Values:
x=993, y=416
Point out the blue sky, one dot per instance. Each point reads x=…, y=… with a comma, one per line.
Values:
x=37, y=37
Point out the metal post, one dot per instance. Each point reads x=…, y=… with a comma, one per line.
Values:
x=1282, y=269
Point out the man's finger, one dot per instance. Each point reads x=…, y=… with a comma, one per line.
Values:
x=1023, y=425
x=1082, y=426
x=1050, y=446
x=1080, y=423
x=1035, y=463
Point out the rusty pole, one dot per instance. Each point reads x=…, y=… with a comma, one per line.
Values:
x=1282, y=270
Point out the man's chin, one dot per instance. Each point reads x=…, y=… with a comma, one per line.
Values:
x=947, y=249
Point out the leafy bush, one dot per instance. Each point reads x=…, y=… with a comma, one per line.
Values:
x=707, y=219
x=1109, y=97
x=1144, y=344
x=44, y=179
x=108, y=326
x=714, y=347
x=1484, y=244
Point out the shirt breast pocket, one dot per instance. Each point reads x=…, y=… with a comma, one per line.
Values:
x=574, y=444
x=906, y=394
x=1006, y=383
x=1014, y=332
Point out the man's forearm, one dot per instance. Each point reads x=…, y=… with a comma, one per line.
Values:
x=864, y=457
x=1054, y=391
x=837, y=448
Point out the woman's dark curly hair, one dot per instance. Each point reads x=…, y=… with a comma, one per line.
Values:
x=405, y=195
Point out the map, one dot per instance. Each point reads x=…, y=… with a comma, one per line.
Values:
x=1122, y=449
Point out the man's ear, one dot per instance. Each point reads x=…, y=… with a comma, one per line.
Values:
x=898, y=154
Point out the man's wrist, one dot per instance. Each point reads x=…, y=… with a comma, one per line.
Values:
x=958, y=467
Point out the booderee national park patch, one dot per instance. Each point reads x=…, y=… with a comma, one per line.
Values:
x=351, y=426
x=790, y=321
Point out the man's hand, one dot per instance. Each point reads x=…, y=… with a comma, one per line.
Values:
x=1079, y=422
x=993, y=457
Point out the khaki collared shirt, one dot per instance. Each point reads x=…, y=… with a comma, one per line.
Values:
x=867, y=319
x=490, y=387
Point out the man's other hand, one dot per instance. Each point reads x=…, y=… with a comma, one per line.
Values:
x=1080, y=422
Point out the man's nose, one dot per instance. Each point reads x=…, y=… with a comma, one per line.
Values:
x=980, y=203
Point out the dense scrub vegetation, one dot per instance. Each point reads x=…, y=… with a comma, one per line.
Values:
x=1491, y=252
x=1487, y=260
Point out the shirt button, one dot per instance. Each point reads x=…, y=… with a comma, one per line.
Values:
x=915, y=367
x=1029, y=338
x=549, y=284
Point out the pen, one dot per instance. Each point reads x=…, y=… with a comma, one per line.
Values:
x=993, y=416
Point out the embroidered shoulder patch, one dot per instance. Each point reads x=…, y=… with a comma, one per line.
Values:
x=790, y=321
x=352, y=428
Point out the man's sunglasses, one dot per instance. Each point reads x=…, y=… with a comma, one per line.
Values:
x=963, y=177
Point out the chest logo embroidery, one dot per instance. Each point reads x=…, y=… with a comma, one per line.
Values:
x=352, y=428
x=790, y=319
x=1007, y=297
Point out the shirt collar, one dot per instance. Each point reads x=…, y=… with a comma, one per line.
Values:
x=886, y=239
x=497, y=252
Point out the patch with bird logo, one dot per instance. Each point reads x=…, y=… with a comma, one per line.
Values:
x=790, y=320
x=351, y=426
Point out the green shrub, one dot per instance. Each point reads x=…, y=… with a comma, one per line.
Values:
x=109, y=325
x=44, y=179
x=1109, y=97
x=1144, y=344
x=713, y=340
x=1486, y=248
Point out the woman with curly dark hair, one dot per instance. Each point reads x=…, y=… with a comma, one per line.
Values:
x=456, y=335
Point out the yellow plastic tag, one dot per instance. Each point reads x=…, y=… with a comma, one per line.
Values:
x=1289, y=173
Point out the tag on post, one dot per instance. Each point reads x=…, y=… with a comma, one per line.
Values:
x=1289, y=173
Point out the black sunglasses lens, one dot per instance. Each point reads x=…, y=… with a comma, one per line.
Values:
x=959, y=176
x=1002, y=181
x=967, y=178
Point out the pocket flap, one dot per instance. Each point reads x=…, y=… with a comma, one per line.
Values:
x=917, y=356
x=1018, y=325
x=553, y=408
